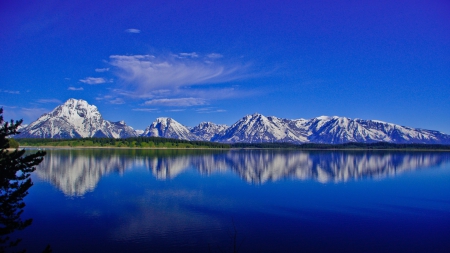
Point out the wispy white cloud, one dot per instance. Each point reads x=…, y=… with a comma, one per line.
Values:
x=95, y=80
x=132, y=30
x=147, y=72
x=27, y=114
x=117, y=101
x=192, y=55
x=215, y=93
x=209, y=110
x=34, y=113
x=145, y=109
x=176, y=110
x=173, y=80
x=105, y=97
x=203, y=109
x=10, y=91
x=177, y=102
x=74, y=88
x=49, y=101
x=7, y=106
x=214, y=56
x=101, y=70
x=111, y=99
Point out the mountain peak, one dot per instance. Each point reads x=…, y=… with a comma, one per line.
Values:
x=78, y=103
x=323, y=117
x=168, y=128
x=256, y=116
x=257, y=128
x=76, y=118
x=161, y=119
x=74, y=100
x=208, y=130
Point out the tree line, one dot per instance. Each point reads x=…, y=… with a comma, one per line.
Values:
x=132, y=142
x=159, y=142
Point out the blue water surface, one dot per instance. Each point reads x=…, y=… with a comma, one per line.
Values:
x=248, y=201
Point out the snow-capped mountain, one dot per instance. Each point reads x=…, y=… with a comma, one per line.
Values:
x=169, y=128
x=22, y=127
x=75, y=119
x=341, y=130
x=207, y=130
x=257, y=128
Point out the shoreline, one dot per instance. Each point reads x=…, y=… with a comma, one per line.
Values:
x=234, y=148
x=95, y=147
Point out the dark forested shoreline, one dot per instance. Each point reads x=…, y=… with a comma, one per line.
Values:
x=157, y=142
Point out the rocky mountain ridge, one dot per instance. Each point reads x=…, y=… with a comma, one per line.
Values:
x=76, y=118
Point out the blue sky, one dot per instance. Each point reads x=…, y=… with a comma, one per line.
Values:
x=220, y=60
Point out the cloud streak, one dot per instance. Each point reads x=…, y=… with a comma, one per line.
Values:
x=176, y=110
x=94, y=80
x=49, y=101
x=76, y=89
x=101, y=70
x=214, y=56
x=177, y=102
x=209, y=110
x=132, y=30
x=10, y=91
x=145, y=110
x=191, y=55
x=147, y=72
x=117, y=101
x=27, y=114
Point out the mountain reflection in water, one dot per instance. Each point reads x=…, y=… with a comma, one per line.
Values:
x=76, y=172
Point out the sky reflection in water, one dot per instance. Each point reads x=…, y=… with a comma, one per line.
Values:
x=188, y=201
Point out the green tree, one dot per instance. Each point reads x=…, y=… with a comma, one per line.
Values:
x=15, y=171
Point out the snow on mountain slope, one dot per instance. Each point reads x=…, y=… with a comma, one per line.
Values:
x=258, y=128
x=22, y=127
x=341, y=130
x=78, y=119
x=75, y=119
x=207, y=130
x=169, y=128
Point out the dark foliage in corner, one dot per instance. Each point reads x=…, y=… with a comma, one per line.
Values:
x=15, y=171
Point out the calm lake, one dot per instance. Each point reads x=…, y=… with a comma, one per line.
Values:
x=112, y=200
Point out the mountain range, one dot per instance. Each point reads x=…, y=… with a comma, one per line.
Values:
x=77, y=119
